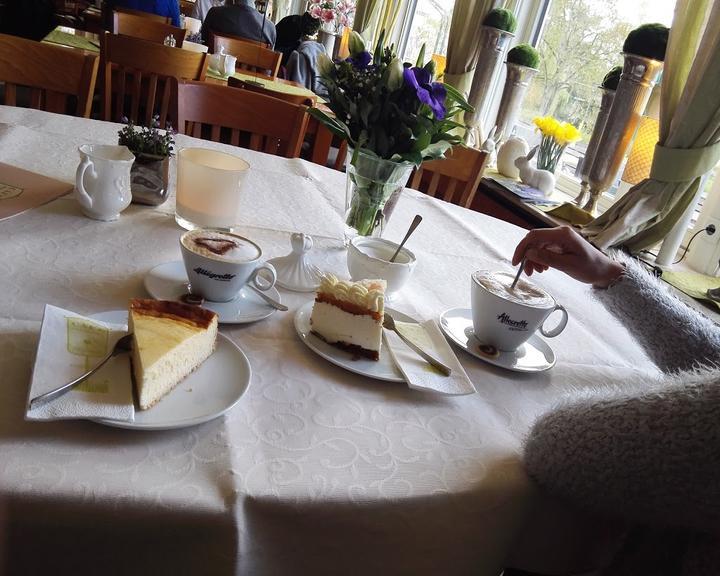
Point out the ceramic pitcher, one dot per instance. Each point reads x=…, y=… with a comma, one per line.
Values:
x=102, y=180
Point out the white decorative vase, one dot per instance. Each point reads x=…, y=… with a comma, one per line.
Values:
x=512, y=149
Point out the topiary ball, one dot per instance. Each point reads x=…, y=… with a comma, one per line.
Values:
x=501, y=19
x=525, y=55
x=612, y=78
x=648, y=40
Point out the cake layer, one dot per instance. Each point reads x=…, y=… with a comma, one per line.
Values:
x=335, y=325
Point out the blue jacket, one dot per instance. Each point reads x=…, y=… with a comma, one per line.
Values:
x=169, y=8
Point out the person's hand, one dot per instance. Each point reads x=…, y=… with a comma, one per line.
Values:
x=564, y=249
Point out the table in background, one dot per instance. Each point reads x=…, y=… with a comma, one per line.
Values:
x=316, y=470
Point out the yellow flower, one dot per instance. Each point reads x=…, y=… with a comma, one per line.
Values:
x=566, y=133
x=546, y=124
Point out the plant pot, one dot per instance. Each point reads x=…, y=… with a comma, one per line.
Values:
x=373, y=187
x=331, y=42
x=149, y=178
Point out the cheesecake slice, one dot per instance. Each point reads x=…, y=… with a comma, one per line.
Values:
x=170, y=340
x=349, y=315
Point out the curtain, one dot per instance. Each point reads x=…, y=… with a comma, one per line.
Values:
x=364, y=10
x=689, y=135
x=463, y=49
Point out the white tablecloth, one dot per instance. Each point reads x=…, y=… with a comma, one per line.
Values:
x=317, y=470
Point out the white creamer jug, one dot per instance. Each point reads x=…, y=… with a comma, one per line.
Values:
x=102, y=180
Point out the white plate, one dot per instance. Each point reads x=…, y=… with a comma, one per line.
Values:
x=208, y=392
x=169, y=281
x=383, y=369
x=533, y=356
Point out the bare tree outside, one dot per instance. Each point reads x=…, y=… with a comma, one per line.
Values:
x=430, y=26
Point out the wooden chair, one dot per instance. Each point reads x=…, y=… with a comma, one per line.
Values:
x=53, y=75
x=137, y=73
x=250, y=55
x=146, y=15
x=146, y=28
x=257, y=121
x=456, y=176
x=211, y=40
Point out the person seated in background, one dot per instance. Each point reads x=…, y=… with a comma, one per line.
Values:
x=202, y=7
x=167, y=8
x=238, y=18
x=647, y=454
x=292, y=30
x=302, y=65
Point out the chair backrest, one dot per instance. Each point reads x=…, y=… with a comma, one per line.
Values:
x=146, y=28
x=143, y=14
x=456, y=176
x=252, y=120
x=250, y=55
x=52, y=73
x=226, y=37
x=292, y=98
x=136, y=78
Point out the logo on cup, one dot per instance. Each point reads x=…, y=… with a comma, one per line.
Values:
x=520, y=325
x=213, y=276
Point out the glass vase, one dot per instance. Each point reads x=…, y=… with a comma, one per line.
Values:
x=370, y=184
x=149, y=178
x=549, y=154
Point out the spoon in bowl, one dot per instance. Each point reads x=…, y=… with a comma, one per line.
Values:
x=415, y=223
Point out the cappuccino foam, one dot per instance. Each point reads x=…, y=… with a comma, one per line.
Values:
x=220, y=246
x=499, y=284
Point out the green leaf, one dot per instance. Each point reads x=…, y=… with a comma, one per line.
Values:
x=421, y=57
x=378, y=48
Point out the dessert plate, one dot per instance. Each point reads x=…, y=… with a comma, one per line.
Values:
x=383, y=369
x=208, y=392
x=169, y=281
x=533, y=356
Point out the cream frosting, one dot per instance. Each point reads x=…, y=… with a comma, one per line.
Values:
x=367, y=293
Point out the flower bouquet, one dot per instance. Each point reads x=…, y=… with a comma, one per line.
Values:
x=394, y=116
x=149, y=175
x=334, y=13
x=556, y=136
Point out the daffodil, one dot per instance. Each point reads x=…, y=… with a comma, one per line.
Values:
x=556, y=136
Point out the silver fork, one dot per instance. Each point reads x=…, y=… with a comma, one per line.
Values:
x=121, y=346
x=389, y=324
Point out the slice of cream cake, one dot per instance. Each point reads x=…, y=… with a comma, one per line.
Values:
x=170, y=340
x=349, y=315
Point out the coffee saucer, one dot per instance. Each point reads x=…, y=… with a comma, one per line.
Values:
x=169, y=281
x=533, y=356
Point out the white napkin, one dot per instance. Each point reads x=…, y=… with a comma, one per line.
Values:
x=418, y=373
x=69, y=346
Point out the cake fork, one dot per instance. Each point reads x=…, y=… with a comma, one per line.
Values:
x=121, y=346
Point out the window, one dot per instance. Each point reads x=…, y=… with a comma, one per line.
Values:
x=429, y=24
x=579, y=41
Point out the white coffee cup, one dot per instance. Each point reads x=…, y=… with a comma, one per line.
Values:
x=220, y=276
x=507, y=318
x=102, y=180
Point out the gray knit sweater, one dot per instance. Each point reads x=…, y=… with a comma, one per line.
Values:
x=651, y=456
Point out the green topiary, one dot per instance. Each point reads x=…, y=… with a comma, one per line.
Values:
x=501, y=19
x=525, y=55
x=649, y=40
x=612, y=78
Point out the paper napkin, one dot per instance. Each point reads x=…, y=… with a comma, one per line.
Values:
x=418, y=373
x=69, y=346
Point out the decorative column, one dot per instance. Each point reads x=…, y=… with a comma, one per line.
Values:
x=605, y=104
x=633, y=92
x=493, y=45
x=517, y=81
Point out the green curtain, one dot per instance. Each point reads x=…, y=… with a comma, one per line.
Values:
x=689, y=135
x=364, y=10
x=463, y=50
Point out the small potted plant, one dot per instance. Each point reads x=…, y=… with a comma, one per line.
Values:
x=150, y=172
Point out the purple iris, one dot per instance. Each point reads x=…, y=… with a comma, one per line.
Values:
x=360, y=61
x=430, y=93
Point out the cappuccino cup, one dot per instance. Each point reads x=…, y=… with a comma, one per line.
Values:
x=219, y=264
x=506, y=318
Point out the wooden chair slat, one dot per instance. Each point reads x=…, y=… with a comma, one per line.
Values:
x=235, y=137
x=130, y=23
x=135, y=95
x=273, y=125
x=432, y=189
x=417, y=177
x=215, y=133
x=450, y=190
x=250, y=55
x=47, y=68
x=151, y=95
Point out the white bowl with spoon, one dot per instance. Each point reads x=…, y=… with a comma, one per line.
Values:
x=369, y=258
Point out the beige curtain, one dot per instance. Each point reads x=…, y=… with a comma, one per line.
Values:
x=364, y=10
x=689, y=135
x=463, y=50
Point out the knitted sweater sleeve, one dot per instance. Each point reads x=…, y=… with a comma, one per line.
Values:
x=674, y=336
x=651, y=454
